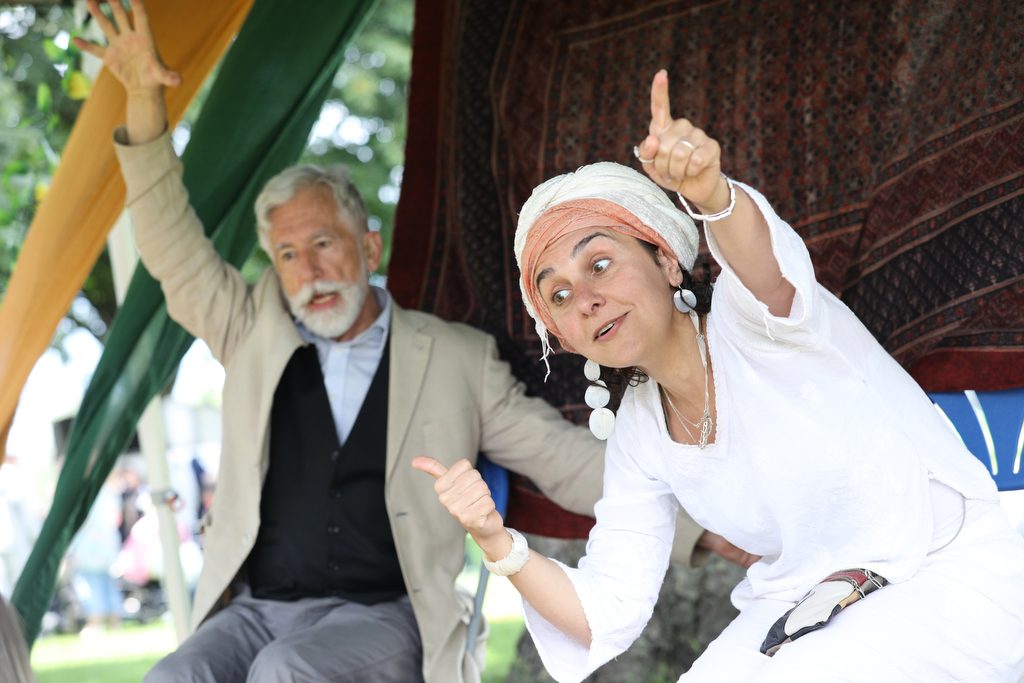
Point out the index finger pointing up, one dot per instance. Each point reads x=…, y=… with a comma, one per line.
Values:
x=661, y=112
x=431, y=466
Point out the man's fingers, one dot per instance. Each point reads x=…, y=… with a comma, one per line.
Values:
x=120, y=16
x=661, y=111
x=743, y=559
x=85, y=46
x=100, y=18
x=720, y=546
x=170, y=78
x=431, y=466
x=140, y=17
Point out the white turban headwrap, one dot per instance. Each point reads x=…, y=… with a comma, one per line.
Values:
x=634, y=204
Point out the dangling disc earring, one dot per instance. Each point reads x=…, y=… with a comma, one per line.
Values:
x=602, y=420
x=684, y=299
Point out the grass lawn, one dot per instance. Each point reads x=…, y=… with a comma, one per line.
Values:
x=501, y=648
x=122, y=655
x=126, y=654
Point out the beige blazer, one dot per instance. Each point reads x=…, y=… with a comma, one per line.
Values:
x=449, y=397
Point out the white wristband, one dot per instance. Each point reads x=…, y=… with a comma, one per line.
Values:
x=516, y=558
x=708, y=217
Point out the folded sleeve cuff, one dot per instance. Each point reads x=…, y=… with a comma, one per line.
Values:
x=565, y=659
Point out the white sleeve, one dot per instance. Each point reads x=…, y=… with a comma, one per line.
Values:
x=619, y=579
x=733, y=301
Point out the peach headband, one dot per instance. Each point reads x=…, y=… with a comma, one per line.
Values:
x=606, y=194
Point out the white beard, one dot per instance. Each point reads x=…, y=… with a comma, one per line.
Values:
x=336, y=321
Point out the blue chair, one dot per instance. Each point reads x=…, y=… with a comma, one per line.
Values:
x=496, y=478
x=991, y=424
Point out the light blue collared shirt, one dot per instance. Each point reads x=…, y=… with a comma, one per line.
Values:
x=349, y=366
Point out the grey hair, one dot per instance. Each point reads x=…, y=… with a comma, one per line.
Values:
x=286, y=184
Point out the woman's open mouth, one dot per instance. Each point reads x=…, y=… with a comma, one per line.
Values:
x=609, y=329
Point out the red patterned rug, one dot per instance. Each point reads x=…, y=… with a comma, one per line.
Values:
x=890, y=135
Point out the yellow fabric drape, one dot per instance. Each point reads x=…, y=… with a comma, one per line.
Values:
x=87, y=194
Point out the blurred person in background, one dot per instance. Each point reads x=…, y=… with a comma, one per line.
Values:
x=92, y=557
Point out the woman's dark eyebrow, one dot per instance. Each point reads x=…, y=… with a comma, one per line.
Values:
x=543, y=274
x=577, y=248
x=583, y=242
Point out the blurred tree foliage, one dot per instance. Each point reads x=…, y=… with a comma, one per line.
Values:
x=363, y=122
x=362, y=125
x=41, y=91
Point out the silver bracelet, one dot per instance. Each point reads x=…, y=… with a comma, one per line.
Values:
x=516, y=558
x=724, y=213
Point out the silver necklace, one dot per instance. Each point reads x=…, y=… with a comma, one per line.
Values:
x=704, y=424
x=682, y=420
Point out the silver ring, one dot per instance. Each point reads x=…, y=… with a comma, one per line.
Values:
x=636, y=153
x=684, y=141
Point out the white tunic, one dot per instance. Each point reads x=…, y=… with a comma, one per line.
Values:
x=822, y=455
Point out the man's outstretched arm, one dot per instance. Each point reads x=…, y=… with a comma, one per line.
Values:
x=208, y=297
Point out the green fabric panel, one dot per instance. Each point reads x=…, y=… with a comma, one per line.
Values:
x=255, y=122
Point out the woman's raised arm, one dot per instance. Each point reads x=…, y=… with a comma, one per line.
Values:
x=682, y=158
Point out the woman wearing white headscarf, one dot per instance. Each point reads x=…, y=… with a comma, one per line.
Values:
x=775, y=418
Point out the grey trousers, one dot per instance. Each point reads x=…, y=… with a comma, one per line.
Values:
x=314, y=639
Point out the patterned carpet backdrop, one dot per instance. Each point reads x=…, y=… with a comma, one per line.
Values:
x=889, y=134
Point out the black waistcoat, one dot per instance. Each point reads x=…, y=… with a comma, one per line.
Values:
x=324, y=527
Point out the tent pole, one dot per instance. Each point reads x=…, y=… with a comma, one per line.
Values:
x=152, y=440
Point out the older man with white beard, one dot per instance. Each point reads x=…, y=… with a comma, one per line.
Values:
x=325, y=556
x=328, y=294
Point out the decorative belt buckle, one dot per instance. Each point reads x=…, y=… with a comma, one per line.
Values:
x=837, y=591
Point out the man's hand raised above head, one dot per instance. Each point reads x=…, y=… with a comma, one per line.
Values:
x=130, y=54
x=132, y=58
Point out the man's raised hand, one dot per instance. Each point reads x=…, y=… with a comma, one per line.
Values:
x=130, y=54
